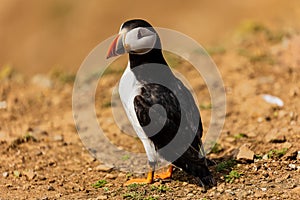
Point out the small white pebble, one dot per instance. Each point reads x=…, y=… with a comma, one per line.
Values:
x=293, y=166
x=264, y=189
x=3, y=104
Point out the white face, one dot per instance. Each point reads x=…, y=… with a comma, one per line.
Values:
x=139, y=40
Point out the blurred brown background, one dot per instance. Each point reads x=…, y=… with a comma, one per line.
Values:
x=37, y=36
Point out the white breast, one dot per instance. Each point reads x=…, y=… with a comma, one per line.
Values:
x=129, y=87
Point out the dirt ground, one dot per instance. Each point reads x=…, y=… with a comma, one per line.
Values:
x=42, y=156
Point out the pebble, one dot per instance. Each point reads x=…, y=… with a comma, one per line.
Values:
x=104, y=168
x=42, y=81
x=101, y=197
x=260, y=119
x=296, y=190
x=245, y=154
x=190, y=195
x=292, y=166
x=29, y=174
x=265, y=157
x=276, y=136
x=50, y=188
x=111, y=176
x=58, y=138
x=5, y=174
x=184, y=183
x=264, y=189
x=3, y=105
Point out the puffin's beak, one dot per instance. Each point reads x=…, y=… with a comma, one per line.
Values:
x=116, y=48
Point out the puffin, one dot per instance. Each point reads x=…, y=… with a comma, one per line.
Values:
x=159, y=106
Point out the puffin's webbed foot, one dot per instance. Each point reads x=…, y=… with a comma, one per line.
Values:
x=165, y=175
x=147, y=180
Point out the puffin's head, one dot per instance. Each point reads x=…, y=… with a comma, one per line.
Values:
x=135, y=37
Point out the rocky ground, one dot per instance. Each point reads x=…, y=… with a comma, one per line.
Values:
x=257, y=155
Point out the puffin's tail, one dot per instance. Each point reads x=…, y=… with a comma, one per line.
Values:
x=197, y=168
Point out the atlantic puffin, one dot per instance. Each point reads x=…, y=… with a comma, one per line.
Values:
x=147, y=101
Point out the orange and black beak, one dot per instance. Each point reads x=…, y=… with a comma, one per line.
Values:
x=116, y=48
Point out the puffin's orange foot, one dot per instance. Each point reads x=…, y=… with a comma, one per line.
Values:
x=147, y=180
x=165, y=175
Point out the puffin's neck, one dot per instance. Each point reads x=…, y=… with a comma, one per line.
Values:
x=153, y=56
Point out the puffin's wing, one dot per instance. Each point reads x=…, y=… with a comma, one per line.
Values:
x=166, y=117
x=170, y=117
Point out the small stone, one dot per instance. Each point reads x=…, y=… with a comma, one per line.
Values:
x=245, y=154
x=184, y=183
x=101, y=197
x=29, y=174
x=50, y=188
x=121, y=175
x=296, y=190
x=26, y=187
x=276, y=136
x=260, y=119
x=44, y=198
x=264, y=189
x=42, y=178
x=265, y=157
x=282, y=114
x=3, y=104
x=292, y=166
x=104, y=168
x=5, y=174
x=42, y=81
x=190, y=195
x=111, y=176
x=298, y=155
x=58, y=138
x=230, y=192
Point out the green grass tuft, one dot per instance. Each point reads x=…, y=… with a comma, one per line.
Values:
x=99, y=184
x=225, y=165
x=277, y=153
x=160, y=188
x=216, y=148
x=240, y=135
x=125, y=157
x=232, y=176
